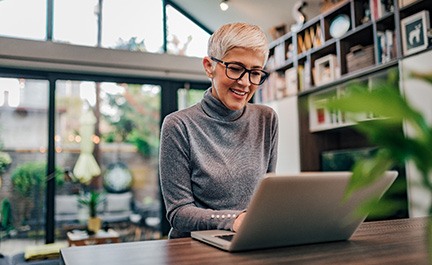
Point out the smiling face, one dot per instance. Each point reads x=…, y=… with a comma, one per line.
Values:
x=234, y=94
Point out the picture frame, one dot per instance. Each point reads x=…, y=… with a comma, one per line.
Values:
x=325, y=68
x=414, y=32
x=403, y=3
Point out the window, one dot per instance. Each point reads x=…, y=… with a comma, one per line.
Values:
x=126, y=133
x=184, y=37
x=23, y=19
x=75, y=22
x=132, y=25
x=23, y=138
x=188, y=97
x=128, y=114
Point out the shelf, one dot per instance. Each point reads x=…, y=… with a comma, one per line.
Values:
x=376, y=34
x=348, y=77
x=301, y=49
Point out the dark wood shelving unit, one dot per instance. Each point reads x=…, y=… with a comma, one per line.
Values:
x=362, y=31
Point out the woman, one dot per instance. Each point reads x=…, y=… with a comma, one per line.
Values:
x=213, y=154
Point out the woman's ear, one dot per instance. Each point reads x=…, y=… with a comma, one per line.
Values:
x=208, y=66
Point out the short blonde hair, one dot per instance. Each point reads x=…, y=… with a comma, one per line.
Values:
x=237, y=35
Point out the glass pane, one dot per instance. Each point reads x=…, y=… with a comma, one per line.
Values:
x=23, y=18
x=132, y=25
x=187, y=97
x=184, y=36
x=125, y=138
x=23, y=147
x=75, y=22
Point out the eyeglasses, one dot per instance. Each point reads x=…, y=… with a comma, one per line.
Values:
x=236, y=71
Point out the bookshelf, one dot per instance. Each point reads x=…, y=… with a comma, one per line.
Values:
x=322, y=58
x=318, y=62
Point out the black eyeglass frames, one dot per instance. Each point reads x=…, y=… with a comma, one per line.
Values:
x=236, y=71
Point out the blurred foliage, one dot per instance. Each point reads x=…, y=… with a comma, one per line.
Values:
x=136, y=119
x=131, y=45
x=5, y=161
x=396, y=148
x=31, y=174
x=92, y=199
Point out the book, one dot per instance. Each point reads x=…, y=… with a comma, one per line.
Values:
x=291, y=81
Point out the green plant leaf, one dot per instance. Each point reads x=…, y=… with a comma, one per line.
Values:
x=366, y=171
x=376, y=208
x=390, y=111
x=91, y=199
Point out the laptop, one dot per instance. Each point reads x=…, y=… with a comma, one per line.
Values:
x=296, y=209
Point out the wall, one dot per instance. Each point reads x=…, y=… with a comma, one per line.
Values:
x=288, y=146
x=419, y=94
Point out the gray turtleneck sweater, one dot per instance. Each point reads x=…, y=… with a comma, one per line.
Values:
x=211, y=159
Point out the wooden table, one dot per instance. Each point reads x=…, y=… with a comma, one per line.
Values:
x=81, y=238
x=384, y=242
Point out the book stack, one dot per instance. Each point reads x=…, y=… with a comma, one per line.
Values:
x=386, y=48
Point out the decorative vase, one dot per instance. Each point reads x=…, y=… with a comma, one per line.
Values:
x=94, y=224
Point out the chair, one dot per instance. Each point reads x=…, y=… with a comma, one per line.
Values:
x=118, y=207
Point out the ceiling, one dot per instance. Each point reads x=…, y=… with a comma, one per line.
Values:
x=264, y=13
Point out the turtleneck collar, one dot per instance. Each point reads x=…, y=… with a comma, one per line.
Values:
x=217, y=110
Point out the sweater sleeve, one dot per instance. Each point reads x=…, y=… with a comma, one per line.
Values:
x=175, y=176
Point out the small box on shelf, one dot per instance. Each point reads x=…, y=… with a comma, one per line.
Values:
x=360, y=57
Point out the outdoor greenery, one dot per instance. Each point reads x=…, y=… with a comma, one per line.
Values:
x=136, y=120
x=28, y=176
x=29, y=183
x=5, y=160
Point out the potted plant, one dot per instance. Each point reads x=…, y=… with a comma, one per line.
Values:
x=92, y=199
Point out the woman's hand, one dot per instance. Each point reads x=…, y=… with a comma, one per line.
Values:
x=238, y=221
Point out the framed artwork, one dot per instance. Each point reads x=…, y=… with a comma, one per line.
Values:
x=325, y=69
x=414, y=32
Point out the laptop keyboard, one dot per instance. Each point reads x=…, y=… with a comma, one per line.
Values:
x=226, y=237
